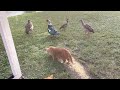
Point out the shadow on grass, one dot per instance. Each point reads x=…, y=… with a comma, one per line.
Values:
x=56, y=69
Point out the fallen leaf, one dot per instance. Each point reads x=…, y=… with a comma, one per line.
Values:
x=49, y=77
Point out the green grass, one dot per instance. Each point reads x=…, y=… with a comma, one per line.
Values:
x=100, y=53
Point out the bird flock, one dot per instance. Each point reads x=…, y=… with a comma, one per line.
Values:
x=53, y=31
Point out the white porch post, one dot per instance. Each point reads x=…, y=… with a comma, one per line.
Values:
x=9, y=45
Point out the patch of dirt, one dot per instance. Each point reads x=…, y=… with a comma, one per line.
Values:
x=76, y=70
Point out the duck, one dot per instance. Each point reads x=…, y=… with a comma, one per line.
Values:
x=51, y=29
x=87, y=27
x=29, y=27
x=64, y=26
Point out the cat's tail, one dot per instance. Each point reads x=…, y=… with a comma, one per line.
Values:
x=70, y=58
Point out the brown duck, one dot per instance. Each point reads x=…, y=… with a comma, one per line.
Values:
x=64, y=26
x=29, y=27
x=87, y=27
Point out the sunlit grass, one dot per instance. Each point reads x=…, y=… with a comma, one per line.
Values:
x=100, y=53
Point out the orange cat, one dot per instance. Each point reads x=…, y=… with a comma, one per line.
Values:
x=59, y=53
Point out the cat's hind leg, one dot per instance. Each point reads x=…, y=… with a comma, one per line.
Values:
x=53, y=57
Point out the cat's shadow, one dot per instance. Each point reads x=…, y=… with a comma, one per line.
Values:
x=54, y=66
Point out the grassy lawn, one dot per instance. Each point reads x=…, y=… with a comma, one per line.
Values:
x=100, y=53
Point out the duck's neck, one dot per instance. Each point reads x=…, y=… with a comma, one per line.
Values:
x=67, y=21
x=49, y=23
x=82, y=22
